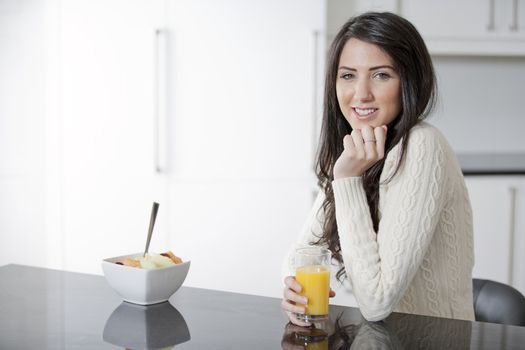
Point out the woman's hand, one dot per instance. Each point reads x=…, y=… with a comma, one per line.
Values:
x=362, y=149
x=291, y=298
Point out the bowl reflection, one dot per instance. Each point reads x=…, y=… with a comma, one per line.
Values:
x=146, y=327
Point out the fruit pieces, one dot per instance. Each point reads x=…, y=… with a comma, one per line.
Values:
x=152, y=261
x=172, y=256
x=131, y=262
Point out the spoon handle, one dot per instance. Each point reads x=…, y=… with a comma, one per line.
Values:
x=154, y=210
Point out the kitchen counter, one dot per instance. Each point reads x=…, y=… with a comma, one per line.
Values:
x=492, y=164
x=50, y=309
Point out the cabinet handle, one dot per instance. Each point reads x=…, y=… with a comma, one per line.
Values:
x=513, y=190
x=160, y=101
x=491, y=25
x=399, y=7
x=514, y=25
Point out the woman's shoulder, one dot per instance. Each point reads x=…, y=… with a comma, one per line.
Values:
x=425, y=143
x=424, y=131
x=428, y=138
x=423, y=137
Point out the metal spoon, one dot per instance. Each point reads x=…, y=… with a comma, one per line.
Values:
x=152, y=218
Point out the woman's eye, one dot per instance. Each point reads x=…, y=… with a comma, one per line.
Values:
x=347, y=76
x=382, y=76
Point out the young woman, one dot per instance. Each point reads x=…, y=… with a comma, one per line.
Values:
x=393, y=207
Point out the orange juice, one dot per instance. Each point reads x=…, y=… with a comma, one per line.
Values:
x=315, y=280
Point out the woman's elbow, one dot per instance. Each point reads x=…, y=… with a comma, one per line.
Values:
x=375, y=315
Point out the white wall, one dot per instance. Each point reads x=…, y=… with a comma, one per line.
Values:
x=481, y=103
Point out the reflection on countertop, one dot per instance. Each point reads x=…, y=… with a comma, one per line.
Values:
x=345, y=332
x=146, y=327
x=340, y=336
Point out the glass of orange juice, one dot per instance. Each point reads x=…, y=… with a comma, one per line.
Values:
x=312, y=272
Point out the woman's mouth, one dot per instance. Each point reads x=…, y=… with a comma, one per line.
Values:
x=364, y=113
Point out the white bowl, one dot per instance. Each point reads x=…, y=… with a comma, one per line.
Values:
x=144, y=286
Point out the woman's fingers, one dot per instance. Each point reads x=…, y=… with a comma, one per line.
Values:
x=380, y=136
x=291, y=296
x=292, y=283
x=292, y=289
x=348, y=143
x=367, y=132
x=286, y=305
x=359, y=147
x=369, y=141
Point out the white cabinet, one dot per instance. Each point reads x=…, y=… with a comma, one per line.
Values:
x=241, y=99
x=206, y=106
x=469, y=27
x=241, y=88
x=449, y=27
x=498, y=205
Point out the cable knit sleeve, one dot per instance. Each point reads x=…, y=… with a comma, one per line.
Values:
x=381, y=266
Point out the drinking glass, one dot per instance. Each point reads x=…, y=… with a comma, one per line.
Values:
x=312, y=272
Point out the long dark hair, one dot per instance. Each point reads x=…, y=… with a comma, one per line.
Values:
x=401, y=41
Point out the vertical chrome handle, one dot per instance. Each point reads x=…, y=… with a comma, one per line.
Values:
x=514, y=25
x=160, y=142
x=512, y=234
x=399, y=8
x=491, y=24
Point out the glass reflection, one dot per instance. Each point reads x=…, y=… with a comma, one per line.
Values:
x=340, y=336
x=146, y=327
x=398, y=331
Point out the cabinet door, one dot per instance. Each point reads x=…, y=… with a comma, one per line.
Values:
x=466, y=19
x=492, y=203
x=22, y=132
x=469, y=27
x=108, y=128
x=242, y=89
x=466, y=27
x=241, y=100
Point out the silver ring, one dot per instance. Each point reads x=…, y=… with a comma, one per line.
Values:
x=370, y=140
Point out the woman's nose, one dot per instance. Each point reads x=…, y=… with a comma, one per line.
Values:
x=362, y=90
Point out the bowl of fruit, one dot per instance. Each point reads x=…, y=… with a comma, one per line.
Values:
x=145, y=279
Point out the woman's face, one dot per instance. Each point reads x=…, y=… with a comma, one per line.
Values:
x=368, y=86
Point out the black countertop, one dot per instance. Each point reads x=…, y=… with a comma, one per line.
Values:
x=492, y=163
x=49, y=309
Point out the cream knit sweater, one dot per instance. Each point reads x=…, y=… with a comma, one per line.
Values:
x=421, y=259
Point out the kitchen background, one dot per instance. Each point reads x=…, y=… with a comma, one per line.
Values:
x=212, y=109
